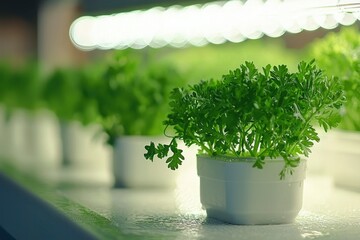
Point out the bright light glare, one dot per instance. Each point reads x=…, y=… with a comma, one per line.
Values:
x=81, y=33
x=215, y=22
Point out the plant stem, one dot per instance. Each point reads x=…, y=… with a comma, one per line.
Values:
x=257, y=142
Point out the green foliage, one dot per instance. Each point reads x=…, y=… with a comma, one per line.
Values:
x=71, y=94
x=6, y=75
x=253, y=113
x=62, y=93
x=20, y=87
x=339, y=54
x=133, y=94
x=89, y=82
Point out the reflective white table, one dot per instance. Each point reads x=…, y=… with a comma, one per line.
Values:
x=328, y=213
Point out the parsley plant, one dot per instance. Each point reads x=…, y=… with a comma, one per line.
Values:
x=253, y=113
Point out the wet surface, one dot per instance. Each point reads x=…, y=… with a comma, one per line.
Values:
x=328, y=213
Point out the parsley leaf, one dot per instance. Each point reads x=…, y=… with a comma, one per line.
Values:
x=162, y=151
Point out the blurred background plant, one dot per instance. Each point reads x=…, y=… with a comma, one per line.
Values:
x=133, y=94
x=126, y=92
x=71, y=94
x=339, y=54
x=118, y=93
x=21, y=87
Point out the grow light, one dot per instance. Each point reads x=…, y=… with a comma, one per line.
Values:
x=215, y=22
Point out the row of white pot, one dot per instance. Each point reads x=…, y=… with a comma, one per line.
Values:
x=37, y=142
x=28, y=140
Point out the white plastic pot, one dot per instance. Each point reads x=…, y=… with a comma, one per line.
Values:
x=14, y=143
x=28, y=139
x=83, y=146
x=43, y=145
x=237, y=193
x=344, y=163
x=86, y=158
x=131, y=169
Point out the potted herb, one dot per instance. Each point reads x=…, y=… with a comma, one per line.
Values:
x=133, y=100
x=70, y=94
x=254, y=129
x=339, y=54
x=63, y=97
x=39, y=134
x=21, y=99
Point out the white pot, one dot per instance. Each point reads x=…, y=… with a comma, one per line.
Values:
x=345, y=161
x=27, y=139
x=237, y=193
x=15, y=142
x=43, y=145
x=131, y=169
x=86, y=158
x=83, y=146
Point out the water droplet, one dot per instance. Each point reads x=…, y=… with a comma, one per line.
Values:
x=312, y=234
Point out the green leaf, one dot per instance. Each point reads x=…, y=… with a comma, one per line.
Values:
x=162, y=150
x=175, y=160
x=151, y=151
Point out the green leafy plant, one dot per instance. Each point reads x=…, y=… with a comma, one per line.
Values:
x=20, y=86
x=71, y=94
x=252, y=113
x=89, y=82
x=62, y=93
x=6, y=74
x=134, y=93
x=339, y=54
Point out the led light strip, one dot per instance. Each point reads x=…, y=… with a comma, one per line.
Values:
x=215, y=22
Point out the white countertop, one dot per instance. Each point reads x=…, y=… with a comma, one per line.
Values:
x=328, y=213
